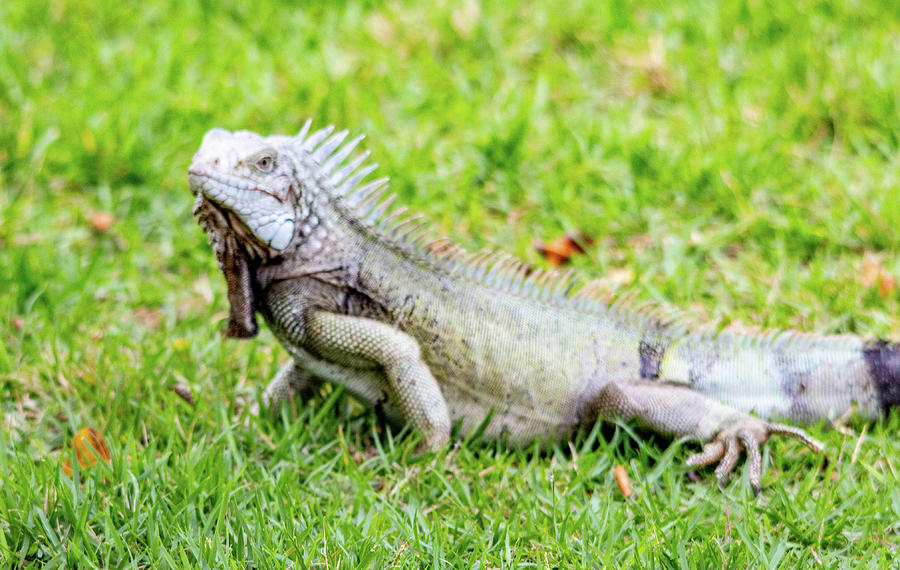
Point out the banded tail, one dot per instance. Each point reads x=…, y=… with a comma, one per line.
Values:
x=783, y=374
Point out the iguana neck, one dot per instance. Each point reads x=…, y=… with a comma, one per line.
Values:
x=327, y=250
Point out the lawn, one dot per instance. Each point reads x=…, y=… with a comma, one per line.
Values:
x=738, y=160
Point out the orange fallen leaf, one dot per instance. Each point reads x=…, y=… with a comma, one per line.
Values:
x=559, y=251
x=101, y=221
x=873, y=272
x=887, y=284
x=622, y=479
x=89, y=445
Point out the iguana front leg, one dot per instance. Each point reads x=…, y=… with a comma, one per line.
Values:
x=292, y=379
x=679, y=411
x=356, y=342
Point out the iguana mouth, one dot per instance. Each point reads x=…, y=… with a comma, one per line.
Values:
x=200, y=180
x=195, y=180
x=246, y=202
x=218, y=219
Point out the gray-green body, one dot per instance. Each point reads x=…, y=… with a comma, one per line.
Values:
x=439, y=336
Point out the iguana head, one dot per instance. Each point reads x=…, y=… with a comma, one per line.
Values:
x=260, y=197
x=252, y=177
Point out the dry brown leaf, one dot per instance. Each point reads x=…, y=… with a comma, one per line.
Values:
x=887, y=284
x=622, y=479
x=559, y=251
x=873, y=272
x=184, y=392
x=101, y=221
x=89, y=445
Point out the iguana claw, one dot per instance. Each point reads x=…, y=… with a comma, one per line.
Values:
x=748, y=433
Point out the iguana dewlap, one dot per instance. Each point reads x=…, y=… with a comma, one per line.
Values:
x=439, y=336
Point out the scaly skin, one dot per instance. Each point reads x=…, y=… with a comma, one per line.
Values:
x=437, y=336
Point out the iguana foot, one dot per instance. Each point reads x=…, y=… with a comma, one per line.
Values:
x=746, y=433
x=679, y=411
x=290, y=381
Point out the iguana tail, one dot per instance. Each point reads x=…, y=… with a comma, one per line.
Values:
x=785, y=374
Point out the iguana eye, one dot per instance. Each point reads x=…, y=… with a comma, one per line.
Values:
x=265, y=163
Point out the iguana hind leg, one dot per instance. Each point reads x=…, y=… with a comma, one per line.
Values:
x=679, y=411
x=356, y=342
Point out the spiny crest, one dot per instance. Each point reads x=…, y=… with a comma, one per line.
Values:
x=773, y=338
x=370, y=204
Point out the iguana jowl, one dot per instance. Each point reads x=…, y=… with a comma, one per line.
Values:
x=438, y=335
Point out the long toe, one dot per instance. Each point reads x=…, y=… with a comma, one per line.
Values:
x=711, y=453
x=728, y=461
x=798, y=434
x=754, y=459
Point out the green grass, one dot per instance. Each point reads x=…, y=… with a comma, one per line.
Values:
x=740, y=160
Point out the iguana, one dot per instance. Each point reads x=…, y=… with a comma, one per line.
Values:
x=436, y=336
